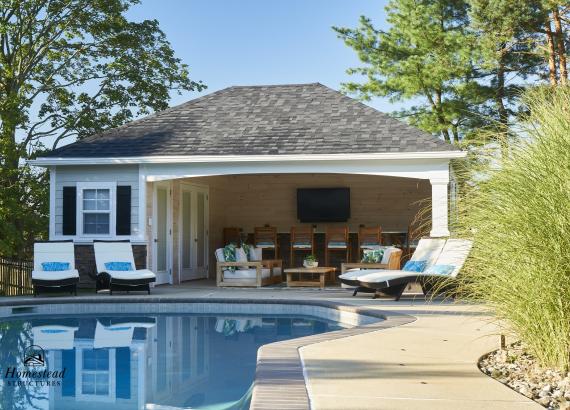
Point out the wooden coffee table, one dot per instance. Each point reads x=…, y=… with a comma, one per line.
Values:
x=322, y=271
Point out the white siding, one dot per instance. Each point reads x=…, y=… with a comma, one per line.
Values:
x=121, y=174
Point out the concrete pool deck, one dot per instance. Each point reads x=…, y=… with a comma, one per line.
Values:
x=429, y=363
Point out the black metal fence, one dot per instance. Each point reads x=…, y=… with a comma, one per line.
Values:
x=15, y=277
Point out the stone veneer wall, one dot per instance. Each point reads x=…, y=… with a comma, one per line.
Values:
x=85, y=263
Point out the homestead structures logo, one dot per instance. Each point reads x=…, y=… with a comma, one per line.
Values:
x=35, y=371
x=34, y=356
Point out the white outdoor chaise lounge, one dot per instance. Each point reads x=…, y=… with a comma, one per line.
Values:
x=54, y=334
x=54, y=267
x=428, y=250
x=445, y=268
x=116, y=269
x=117, y=332
x=390, y=260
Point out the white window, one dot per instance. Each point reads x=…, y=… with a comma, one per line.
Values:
x=96, y=208
x=95, y=379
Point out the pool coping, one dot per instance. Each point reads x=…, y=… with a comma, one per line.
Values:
x=280, y=379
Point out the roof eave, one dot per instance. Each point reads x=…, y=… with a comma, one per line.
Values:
x=171, y=159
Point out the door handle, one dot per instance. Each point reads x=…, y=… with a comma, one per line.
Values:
x=155, y=240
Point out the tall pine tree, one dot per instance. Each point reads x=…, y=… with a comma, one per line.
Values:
x=428, y=56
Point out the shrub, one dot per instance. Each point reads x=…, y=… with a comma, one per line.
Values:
x=518, y=213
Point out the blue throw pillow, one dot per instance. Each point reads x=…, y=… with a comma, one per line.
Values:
x=415, y=266
x=119, y=266
x=55, y=266
x=441, y=269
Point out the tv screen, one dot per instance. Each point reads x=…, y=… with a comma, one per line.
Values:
x=323, y=204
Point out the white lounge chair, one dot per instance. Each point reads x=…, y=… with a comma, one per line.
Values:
x=54, y=267
x=390, y=260
x=428, y=250
x=446, y=267
x=109, y=256
x=118, y=333
x=54, y=334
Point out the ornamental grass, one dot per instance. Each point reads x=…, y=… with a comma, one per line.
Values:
x=517, y=210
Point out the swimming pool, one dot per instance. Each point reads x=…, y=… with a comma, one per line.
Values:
x=137, y=361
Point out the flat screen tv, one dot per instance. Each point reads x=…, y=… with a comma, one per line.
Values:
x=323, y=204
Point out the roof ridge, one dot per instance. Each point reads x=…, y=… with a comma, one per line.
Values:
x=273, y=85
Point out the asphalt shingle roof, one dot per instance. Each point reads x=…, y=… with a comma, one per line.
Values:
x=259, y=120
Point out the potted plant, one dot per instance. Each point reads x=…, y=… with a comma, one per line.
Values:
x=310, y=261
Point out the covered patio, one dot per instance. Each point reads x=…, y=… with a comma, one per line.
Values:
x=191, y=204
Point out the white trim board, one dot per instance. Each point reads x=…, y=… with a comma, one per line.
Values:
x=170, y=159
x=52, y=202
x=420, y=169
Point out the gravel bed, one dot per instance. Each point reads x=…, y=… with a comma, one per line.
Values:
x=519, y=370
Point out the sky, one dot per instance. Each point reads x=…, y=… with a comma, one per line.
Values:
x=252, y=42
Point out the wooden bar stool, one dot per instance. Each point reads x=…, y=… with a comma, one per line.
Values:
x=336, y=240
x=266, y=238
x=369, y=238
x=232, y=235
x=302, y=240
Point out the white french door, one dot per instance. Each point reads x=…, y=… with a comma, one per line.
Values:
x=162, y=233
x=193, y=232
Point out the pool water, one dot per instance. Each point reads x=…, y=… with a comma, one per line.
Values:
x=138, y=362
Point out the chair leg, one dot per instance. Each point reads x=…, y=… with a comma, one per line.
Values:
x=355, y=292
x=148, y=288
x=395, y=291
x=399, y=295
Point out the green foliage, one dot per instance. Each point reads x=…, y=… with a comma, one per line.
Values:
x=427, y=54
x=519, y=215
x=24, y=209
x=463, y=63
x=311, y=258
x=71, y=68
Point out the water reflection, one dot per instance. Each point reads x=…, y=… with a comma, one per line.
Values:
x=160, y=362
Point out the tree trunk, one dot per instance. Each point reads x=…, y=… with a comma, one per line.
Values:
x=499, y=101
x=455, y=133
x=441, y=118
x=551, y=54
x=561, y=48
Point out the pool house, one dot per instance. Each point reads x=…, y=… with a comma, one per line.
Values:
x=174, y=182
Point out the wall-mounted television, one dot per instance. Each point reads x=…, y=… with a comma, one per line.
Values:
x=323, y=204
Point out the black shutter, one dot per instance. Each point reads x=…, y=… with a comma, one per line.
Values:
x=123, y=373
x=123, y=224
x=69, y=210
x=68, y=364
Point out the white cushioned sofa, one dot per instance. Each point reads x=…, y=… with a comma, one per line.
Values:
x=247, y=271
